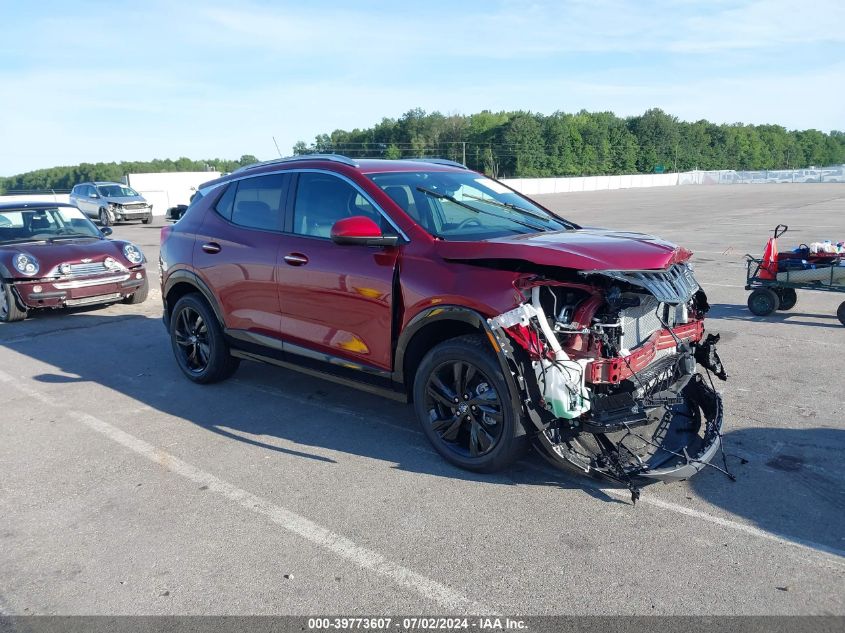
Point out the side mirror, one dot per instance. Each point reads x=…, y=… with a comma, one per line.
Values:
x=93, y=195
x=361, y=230
x=106, y=230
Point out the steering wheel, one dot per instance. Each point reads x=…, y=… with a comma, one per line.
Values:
x=468, y=222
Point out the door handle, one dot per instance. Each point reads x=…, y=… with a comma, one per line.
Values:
x=296, y=259
x=211, y=247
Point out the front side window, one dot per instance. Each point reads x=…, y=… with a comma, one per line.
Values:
x=255, y=203
x=465, y=206
x=323, y=199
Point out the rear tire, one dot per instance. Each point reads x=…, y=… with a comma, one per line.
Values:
x=140, y=295
x=840, y=313
x=763, y=301
x=787, y=298
x=105, y=218
x=478, y=431
x=197, y=341
x=9, y=309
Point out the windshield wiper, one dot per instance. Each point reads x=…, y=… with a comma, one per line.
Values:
x=443, y=196
x=509, y=205
x=72, y=236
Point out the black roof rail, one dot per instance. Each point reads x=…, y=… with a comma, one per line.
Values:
x=438, y=161
x=337, y=158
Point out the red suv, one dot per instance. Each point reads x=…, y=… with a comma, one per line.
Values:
x=427, y=282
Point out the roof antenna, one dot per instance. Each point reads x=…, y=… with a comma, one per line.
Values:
x=277, y=146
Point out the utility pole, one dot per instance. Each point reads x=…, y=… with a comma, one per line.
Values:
x=464, y=144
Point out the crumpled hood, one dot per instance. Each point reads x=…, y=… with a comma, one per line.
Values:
x=580, y=249
x=50, y=255
x=125, y=199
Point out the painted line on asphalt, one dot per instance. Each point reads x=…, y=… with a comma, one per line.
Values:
x=825, y=552
x=292, y=522
x=807, y=546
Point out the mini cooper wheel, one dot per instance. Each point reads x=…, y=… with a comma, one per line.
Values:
x=9, y=310
x=105, y=218
x=763, y=301
x=788, y=298
x=198, y=343
x=463, y=405
x=140, y=295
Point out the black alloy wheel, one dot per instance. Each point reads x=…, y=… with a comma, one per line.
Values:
x=466, y=412
x=191, y=334
x=464, y=407
x=198, y=343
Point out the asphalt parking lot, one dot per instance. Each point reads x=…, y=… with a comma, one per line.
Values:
x=125, y=489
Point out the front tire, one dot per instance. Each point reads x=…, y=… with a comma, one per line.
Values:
x=105, y=218
x=464, y=407
x=140, y=295
x=197, y=341
x=840, y=313
x=763, y=301
x=147, y=220
x=9, y=310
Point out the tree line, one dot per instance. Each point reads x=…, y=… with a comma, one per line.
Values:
x=522, y=144
x=64, y=178
x=526, y=144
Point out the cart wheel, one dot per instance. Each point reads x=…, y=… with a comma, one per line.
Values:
x=788, y=298
x=841, y=313
x=763, y=301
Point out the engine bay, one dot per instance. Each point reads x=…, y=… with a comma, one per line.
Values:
x=606, y=365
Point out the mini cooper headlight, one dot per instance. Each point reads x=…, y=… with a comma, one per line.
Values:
x=133, y=253
x=26, y=264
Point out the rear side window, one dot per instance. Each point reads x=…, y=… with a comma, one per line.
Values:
x=255, y=203
x=226, y=202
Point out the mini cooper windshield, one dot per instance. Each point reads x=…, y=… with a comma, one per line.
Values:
x=465, y=206
x=50, y=224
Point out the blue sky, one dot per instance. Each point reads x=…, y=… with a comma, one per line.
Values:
x=99, y=81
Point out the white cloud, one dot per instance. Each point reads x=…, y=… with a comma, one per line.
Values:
x=220, y=80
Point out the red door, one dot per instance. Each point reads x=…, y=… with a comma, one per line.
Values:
x=334, y=299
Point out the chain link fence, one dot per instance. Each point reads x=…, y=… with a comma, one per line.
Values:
x=835, y=173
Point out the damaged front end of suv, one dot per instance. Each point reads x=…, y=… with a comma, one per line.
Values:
x=605, y=363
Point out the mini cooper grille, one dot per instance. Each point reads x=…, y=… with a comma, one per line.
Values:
x=94, y=268
x=674, y=285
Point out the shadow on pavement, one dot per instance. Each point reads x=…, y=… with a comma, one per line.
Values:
x=734, y=312
x=131, y=355
x=792, y=485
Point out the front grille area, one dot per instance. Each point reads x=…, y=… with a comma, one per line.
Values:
x=674, y=285
x=94, y=268
x=135, y=205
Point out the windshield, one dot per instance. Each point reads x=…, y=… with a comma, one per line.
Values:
x=36, y=225
x=116, y=191
x=465, y=206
